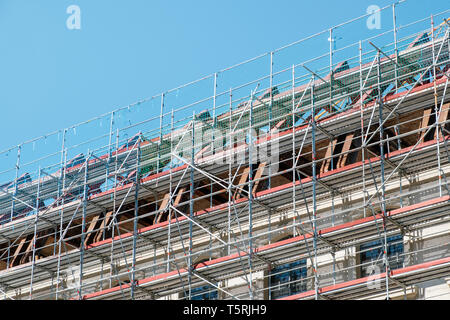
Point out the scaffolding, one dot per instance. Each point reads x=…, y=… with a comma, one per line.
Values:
x=268, y=188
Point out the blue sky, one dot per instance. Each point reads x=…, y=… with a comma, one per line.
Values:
x=52, y=77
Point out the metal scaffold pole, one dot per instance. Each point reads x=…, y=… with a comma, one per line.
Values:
x=160, y=131
x=331, y=69
x=61, y=165
x=169, y=248
x=383, y=186
x=230, y=159
x=269, y=130
x=33, y=260
x=135, y=220
x=61, y=213
x=191, y=204
x=112, y=262
x=363, y=144
x=251, y=157
x=437, y=112
x=17, y=168
x=314, y=182
x=83, y=226
x=294, y=221
x=394, y=23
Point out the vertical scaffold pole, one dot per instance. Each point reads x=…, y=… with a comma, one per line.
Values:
x=63, y=146
x=331, y=69
x=83, y=227
x=170, y=193
x=331, y=140
x=436, y=109
x=394, y=23
x=33, y=260
x=213, y=149
x=270, y=115
x=363, y=143
x=160, y=132
x=214, y=115
x=111, y=260
x=111, y=134
x=19, y=148
x=214, y=100
x=250, y=199
x=383, y=188
x=230, y=161
x=314, y=180
x=191, y=204
x=135, y=220
x=9, y=255
x=58, y=201
x=294, y=209
x=61, y=212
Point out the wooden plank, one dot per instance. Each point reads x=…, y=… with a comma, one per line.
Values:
x=3, y=265
x=164, y=201
x=161, y=207
x=242, y=179
x=105, y=221
x=90, y=228
x=41, y=241
x=443, y=116
x=346, y=147
x=330, y=149
x=258, y=175
x=178, y=197
x=28, y=252
x=424, y=122
x=177, y=200
x=17, y=251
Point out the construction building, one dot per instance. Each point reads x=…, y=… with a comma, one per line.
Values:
x=319, y=179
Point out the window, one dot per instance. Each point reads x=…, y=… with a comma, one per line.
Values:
x=372, y=254
x=207, y=292
x=287, y=279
